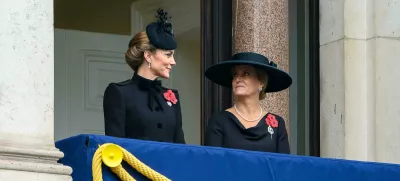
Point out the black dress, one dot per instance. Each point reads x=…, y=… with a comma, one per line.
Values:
x=225, y=130
x=137, y=108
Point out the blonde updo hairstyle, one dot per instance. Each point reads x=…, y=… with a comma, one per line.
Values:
x=134, y=56
x=262, y=76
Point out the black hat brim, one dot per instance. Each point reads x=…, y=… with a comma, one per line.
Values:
x=221, y=74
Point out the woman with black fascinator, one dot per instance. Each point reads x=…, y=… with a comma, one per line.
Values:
x=141, y=108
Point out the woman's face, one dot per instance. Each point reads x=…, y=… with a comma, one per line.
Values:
x=161, y=62
x=245, y=81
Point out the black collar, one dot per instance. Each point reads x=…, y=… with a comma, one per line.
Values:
x=152, y=86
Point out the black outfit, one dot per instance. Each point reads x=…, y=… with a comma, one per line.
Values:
x=225, y=130
x=137, y=109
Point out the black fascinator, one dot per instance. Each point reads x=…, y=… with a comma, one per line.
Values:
x=160, y=33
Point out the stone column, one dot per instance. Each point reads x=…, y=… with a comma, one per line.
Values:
x=27, y=149
x=359, y=74
x=262, y=26
x=386, y=74
x=332, y=79
x=347, y=79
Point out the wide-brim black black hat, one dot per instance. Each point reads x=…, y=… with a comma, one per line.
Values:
x=160, y=33
x=221, y=73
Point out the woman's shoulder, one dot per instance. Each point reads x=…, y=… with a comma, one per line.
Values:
x=121, y=84
x=119, y=87
x=220, y=116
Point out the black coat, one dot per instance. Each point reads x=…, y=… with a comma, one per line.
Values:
x=137, y=109
x=225, y=130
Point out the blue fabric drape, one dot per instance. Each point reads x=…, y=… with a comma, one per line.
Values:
x=200, y=163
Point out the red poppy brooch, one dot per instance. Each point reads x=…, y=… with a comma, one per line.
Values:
x=272, y=123
x=170, y=97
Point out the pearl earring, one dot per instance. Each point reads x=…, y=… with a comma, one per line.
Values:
x=260, y=89
x=149, y=64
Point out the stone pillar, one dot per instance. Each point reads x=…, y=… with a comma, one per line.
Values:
x=347, y=79
x=387, y=87
x=359, y=90
x=262, y=26
x=359, y=74
x=27, y=149
x=332, y=79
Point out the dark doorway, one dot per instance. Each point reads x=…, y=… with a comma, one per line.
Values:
x=216, y=44
x=314, y=125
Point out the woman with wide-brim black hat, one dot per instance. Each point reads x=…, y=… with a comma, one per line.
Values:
x=246, y=125
x=141, y=108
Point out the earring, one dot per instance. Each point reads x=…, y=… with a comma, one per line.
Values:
x=233, y=89
x=149, y=64
x=260, y=89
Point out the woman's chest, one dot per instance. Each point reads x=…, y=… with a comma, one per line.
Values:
x=141, y=113
x=255, y=138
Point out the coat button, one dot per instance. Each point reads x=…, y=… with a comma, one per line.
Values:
x=157, y=109
x=159, y=125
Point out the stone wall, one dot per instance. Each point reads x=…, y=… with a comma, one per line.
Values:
x=360, y=104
